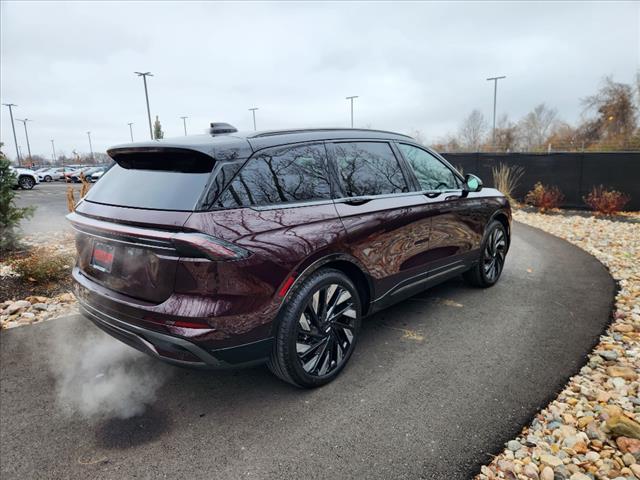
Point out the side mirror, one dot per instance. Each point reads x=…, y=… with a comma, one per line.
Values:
x=472, y=183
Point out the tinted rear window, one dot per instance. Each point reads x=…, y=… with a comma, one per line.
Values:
x=174, y=180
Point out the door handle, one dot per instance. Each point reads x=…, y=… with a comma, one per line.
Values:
x=357, y=201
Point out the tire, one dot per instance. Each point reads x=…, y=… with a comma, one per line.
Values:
x=493, y=253
x=325, y=342
x=26, y=183
x=47, y=178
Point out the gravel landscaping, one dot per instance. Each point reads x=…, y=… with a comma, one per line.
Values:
x=24, y=301
x=592, y=430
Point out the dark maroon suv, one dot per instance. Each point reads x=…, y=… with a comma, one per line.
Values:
x=232, y=249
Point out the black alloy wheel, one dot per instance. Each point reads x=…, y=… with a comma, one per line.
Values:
x=318, y=330
x=493, y=253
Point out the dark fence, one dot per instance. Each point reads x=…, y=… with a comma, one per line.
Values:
x=575, y=174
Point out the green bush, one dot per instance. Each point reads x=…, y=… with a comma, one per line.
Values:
x=10, y=215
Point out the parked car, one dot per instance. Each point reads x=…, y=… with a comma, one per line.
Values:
x=74, y=172
x=25, y=178
x=98, y=175
x=95, y=173
x=235, y=249
x=50, y=174
x=87, y=172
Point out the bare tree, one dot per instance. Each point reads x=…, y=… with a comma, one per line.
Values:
x=473, y=131
x=536, y=126
x=564, y=137
x=506, y=135
x=616, y=113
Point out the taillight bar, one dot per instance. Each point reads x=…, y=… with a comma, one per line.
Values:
x=191, y=244
x=211, y=247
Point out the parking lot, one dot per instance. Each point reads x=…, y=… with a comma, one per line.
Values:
x=51, y=207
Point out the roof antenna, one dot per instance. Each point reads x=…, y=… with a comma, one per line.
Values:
x=221, y=128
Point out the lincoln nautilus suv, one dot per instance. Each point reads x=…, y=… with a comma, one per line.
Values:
x=230, y=249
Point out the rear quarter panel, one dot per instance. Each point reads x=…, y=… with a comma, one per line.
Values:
x=244, y=295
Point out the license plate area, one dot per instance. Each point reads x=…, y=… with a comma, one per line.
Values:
x=102, y=257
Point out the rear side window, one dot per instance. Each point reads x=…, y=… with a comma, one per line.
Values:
x=173, y=179
x=431, y=173
x=369, y=168
x=280, y=175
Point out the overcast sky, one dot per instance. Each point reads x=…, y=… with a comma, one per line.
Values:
x=69, y=66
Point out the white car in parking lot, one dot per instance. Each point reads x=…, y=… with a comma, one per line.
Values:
x=51, y=174
x=25, y=178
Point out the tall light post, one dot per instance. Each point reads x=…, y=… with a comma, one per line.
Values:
x=53, y=148
x=495, y=94
x=26, y=134
x=90, y=146
x=13, y=127
x=351, y=98
x=184, y=124
x=253, y=110
x=130, y=130
x=144, y=76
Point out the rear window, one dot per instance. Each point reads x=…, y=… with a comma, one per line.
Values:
x=172, y=179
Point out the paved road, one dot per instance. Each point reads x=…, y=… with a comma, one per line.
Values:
x=436, y=385
x=50, y=201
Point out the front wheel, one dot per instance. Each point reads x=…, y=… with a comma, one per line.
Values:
x=47, y=178
x=317, y=331
x=26, y=183
x=493, y=254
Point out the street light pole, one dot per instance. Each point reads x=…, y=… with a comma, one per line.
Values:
x=144, y=76
x=351, y=98
x=253, y=110
x=13, y=127
x=495, y=94
x=53, y=147
x=184, y=124
x=26, y=134
x=90, y=146
x=130, y=130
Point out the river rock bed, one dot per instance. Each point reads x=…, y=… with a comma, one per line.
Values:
x=34, y=308
x=592, y=429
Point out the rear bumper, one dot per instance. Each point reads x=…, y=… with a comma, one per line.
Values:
x=176, y=350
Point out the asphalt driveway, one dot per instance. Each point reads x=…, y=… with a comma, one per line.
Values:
x=436, y=385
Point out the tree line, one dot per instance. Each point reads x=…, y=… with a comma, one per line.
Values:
x=610, y=122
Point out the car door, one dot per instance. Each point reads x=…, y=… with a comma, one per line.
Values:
x=375, y=204
x=455, y=230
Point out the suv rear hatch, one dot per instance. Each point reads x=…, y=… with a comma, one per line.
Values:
x=129, y=227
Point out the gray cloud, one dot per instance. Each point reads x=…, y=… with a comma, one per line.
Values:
x=69, y=66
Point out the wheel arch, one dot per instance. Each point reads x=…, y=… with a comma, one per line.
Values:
x=24, y=175
x=504, y=218
x=348, y=265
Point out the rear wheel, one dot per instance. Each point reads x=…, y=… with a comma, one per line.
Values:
x=493, y=254
x=318, y=330
x=26, y=183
